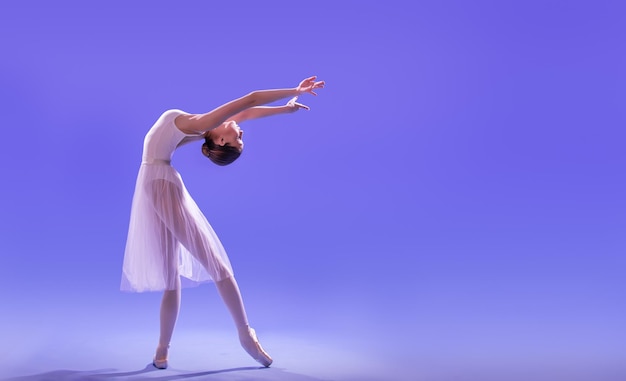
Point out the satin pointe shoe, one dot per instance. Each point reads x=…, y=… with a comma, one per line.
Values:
x=249, y=342
x=160, y=358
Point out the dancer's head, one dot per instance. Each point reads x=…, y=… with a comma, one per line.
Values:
x=224, y=144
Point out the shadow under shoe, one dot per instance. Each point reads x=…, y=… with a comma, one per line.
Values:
x=249, y=342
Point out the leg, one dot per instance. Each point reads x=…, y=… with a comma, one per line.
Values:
x=229, y=291
x=170, y=305
x=188, y=225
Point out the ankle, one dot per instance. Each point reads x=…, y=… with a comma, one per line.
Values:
x=162, y=349
x=244, y=330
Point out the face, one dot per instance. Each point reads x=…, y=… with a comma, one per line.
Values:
x=228, y=134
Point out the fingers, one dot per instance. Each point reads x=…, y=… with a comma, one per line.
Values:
x=300, y=105
x=309, y=84
x=292, y=103
x=317, y=85
x=308, y=81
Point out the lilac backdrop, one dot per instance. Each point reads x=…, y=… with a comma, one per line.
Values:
x=456, y=191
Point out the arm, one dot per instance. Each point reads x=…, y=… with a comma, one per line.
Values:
x=264, y=111
x=200, y=123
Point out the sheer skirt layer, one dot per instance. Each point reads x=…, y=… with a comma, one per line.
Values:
x=168, y=236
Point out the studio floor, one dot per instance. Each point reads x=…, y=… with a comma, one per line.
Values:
x=308, y=356
x=207, y=355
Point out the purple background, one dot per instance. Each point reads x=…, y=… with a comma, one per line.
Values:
x=453, y=204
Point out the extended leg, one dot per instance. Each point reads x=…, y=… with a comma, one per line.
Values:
x=229, y=291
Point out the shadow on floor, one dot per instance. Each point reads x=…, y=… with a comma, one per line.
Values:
x=149, y=372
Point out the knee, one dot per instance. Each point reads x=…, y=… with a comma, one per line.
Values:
x=222, y=273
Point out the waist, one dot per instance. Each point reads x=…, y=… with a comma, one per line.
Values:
x=156, y=162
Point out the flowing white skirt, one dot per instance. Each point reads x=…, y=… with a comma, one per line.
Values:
x=168, y=235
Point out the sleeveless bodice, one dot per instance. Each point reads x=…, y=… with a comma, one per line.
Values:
x=164, y=137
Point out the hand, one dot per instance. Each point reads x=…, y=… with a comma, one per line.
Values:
x=293, y=106
x=309, y=84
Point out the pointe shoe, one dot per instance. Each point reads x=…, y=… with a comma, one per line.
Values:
x=160, y=360
x=250, y=343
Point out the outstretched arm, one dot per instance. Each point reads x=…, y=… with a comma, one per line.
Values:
x=200, y=123
x=264, y=111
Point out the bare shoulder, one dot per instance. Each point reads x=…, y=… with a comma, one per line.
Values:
x=187, y=123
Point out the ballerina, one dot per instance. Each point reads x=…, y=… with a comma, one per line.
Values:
x=168, y=236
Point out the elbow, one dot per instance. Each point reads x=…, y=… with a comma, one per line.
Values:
x=253, y=99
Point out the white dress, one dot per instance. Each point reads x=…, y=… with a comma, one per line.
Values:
x=168, y=235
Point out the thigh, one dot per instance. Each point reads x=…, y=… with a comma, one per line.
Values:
x=169, y=247
x=188, y=226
